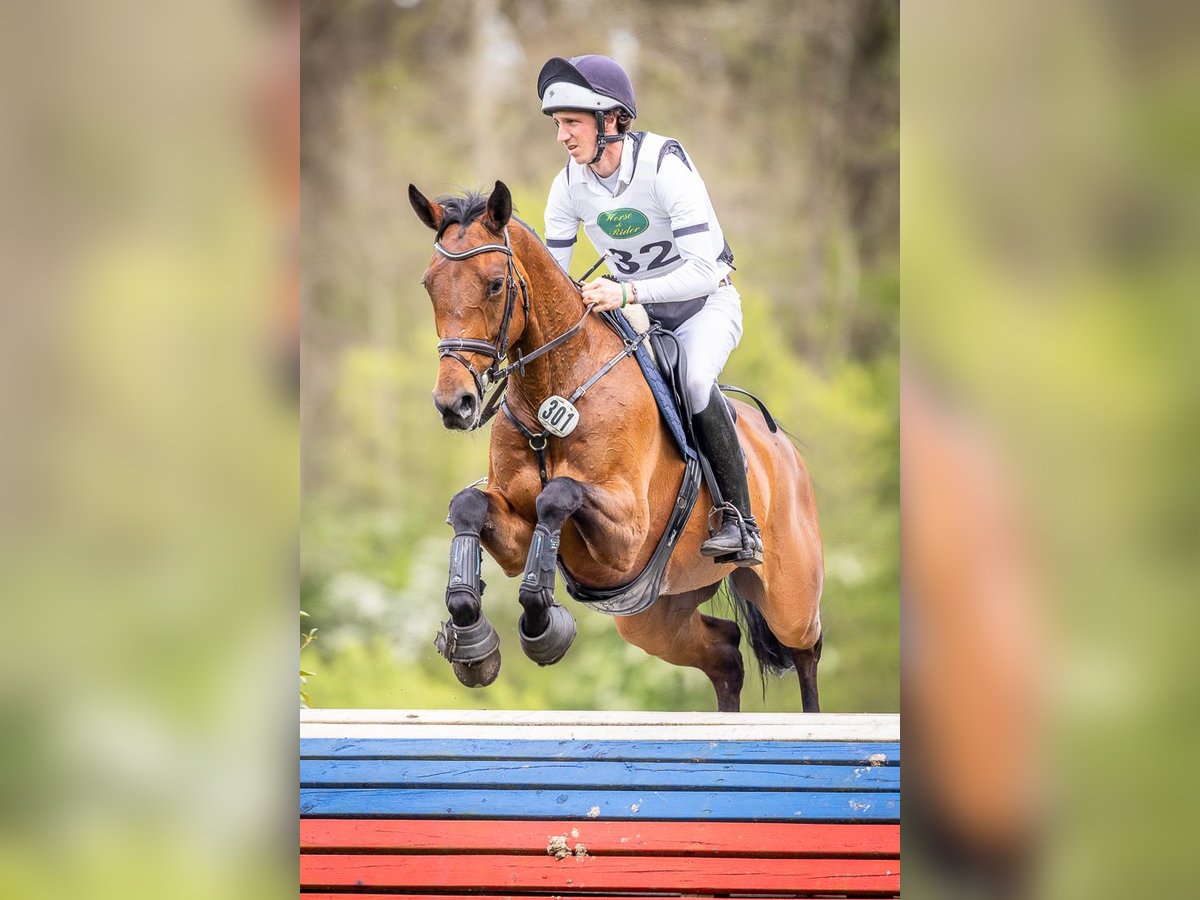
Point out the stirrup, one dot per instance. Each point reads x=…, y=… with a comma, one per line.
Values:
x=751, y=552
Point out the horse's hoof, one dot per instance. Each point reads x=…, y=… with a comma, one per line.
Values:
x=480, y=674
x=473, y=650
x=552, y=644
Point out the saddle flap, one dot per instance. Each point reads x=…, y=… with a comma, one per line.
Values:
x=666, y=394
x=669, y=356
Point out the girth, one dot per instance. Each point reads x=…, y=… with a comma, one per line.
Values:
x=639, y=594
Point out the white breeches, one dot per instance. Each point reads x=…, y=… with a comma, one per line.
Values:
x=708, y=338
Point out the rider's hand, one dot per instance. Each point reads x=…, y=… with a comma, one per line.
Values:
x=605, y=294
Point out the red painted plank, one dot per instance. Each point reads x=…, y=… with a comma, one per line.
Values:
x=644, y=838
x=599, y=873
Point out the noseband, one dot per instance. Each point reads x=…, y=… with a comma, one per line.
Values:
x=494, y=374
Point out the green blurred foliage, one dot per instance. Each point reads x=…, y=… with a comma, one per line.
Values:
x=149, y=462
x=1050, y=274
x=791, y=113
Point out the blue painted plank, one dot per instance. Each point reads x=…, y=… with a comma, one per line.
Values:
x=821, y=752
x=585, y=804
x=601, y=775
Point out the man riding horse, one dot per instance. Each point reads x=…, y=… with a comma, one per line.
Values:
x=603, y=492
x=644, y=205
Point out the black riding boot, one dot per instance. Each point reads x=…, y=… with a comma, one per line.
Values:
x=738, y=540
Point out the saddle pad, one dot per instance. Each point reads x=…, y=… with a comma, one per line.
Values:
x=662, y=393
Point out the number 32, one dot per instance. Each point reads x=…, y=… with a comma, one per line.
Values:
x=625, y=262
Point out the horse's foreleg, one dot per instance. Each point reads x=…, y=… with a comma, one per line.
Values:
x=546, y=628
x=467, y=639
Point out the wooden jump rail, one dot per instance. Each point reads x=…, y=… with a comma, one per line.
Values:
x=440, y=804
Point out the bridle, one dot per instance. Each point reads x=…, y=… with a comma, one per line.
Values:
x=495, y=376
x=498, y=350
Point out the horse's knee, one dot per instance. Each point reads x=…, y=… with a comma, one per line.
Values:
x=558, y=499
x=468, y=510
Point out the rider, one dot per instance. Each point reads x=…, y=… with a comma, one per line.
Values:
x=640, y=198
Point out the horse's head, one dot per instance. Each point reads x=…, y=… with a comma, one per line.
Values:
x=473, y=283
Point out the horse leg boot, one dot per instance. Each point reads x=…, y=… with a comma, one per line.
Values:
x=467, y=639
x=547, y=629
x=738, y=540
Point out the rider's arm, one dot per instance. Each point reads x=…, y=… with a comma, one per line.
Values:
x=562, y=224
x=682, y=195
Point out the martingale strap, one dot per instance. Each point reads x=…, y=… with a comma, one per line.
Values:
x=539, y=440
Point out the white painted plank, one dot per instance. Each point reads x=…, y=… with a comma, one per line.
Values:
x=597, y=725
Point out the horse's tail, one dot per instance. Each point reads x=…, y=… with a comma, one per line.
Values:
x=772, y=657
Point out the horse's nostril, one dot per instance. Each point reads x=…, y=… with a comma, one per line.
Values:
x=466, y=405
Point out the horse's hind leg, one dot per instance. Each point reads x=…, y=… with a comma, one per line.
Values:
x=468, y=639
x=675, y=630
x=780, y=634
x=806, y=668
x=547, y=629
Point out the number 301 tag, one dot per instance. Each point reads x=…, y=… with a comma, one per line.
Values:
x=559, y=415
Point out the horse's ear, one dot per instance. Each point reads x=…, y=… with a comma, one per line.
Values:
x=429, y=213
x=499, y=205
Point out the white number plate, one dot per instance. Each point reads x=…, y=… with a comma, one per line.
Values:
x=559, y=415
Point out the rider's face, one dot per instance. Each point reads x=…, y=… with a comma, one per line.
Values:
x=577, y=132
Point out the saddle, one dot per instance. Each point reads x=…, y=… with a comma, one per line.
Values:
x=665, y=375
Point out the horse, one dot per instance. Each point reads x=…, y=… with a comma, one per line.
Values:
x=596, y=500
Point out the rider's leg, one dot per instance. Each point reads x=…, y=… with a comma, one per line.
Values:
x=738, y=536
x=708, y=338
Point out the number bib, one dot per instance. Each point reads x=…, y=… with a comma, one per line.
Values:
x=559, y=415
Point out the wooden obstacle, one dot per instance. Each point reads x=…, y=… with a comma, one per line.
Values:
x=550, y=804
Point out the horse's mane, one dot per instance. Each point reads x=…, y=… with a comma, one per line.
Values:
x=465, y=208
x=461, y=209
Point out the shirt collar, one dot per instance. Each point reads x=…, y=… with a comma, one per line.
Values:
x=624, y=171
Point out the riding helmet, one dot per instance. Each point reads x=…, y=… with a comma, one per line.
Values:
x=594, y=83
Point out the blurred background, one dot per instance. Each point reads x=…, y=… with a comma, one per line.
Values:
x=149, y=159
x=790, y=111
x=1051, y=186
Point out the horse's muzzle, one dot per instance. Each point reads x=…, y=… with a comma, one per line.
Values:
x=460, y=411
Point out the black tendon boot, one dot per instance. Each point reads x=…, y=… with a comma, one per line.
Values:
x=738, y=540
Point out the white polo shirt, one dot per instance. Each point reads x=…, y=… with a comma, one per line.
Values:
x=658, y=225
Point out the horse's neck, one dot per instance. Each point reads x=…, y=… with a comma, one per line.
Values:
x=554, y=308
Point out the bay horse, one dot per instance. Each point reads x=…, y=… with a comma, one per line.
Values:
x=597, y=500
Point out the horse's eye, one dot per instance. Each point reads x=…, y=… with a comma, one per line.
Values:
x=494, y=287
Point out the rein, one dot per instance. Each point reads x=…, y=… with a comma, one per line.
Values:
x=495, y=376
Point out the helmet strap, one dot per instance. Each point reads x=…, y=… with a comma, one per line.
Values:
x=602, y=139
